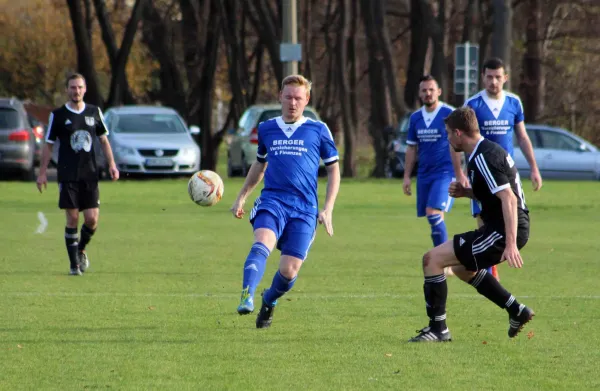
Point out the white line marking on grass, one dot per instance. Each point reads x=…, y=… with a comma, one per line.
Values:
x=292, y=296
x=43, y=223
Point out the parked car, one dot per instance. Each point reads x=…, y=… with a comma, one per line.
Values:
x=17, y=140
x=244, y=140
x=559, y=154
x=38, y=131
x=151, y=140
x=396, y=149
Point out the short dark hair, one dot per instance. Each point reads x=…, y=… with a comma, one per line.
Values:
x=464, y=119
x=493, y=63
x=427, y=78
x=74, y=76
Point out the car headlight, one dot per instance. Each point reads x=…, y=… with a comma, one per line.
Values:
x=188, y=153
x=125, y=151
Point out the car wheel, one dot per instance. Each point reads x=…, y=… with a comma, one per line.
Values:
x=231, y=172
x=245, y=168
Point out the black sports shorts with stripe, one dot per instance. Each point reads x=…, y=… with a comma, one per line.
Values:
x=484, y=247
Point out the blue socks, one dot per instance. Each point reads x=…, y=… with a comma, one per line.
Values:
x=438, y=229
x=254, y=268
x=279, y=287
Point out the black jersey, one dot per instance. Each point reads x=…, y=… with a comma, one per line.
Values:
x=490, y=170
x=77, y=133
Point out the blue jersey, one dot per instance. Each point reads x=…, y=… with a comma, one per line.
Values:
x=497, y=117
x=293, y=152
x=428, y=132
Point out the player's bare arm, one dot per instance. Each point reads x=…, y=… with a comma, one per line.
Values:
x=255, y=175
x=333, y=187
x=112, y=167
x=509, y=212
x=527, y=149
x=458, y=169
x=42, y=180
x=458, y=190
x=409, y=164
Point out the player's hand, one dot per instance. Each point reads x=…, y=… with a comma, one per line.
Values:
x=536, y=179
x=406, y=186
x=457, y=190
x=463, y=180
x=42, y=182
x=512, y=256
x=114, y=173
x=326, y=218
x=238, y=209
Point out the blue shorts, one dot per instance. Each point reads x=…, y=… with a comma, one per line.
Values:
x=433, y=193
x=475, y=208
x=295, y=231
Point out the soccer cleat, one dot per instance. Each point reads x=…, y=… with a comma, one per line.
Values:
x=84, y=262
x=246, y=303
x=75, y=272
x=265, y=316
x=428, y=335
x=515, y=324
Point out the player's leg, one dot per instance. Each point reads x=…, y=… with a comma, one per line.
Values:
x=89, y=202
x=435, y=290
x=492, y=269
x=477, y=251
x=294, y=244
x=68, y=200
x=266, y=230
x=438, y=202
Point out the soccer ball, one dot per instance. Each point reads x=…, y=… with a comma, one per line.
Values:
x=205, y=188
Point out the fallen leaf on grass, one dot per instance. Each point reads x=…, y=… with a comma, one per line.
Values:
x=20, y=346
x=388, y=354
x=530, y=335
x=152, y=308
x=484, y=342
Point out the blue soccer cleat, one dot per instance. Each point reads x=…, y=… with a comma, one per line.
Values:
x=246, y=303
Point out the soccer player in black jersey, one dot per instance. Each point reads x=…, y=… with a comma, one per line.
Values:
x=76, y=125
x=495, y=183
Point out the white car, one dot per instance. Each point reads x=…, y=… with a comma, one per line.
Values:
x=559, y=154
x=152, y=140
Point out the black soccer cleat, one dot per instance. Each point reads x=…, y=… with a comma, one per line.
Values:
x=265, y=315
x=515, y=324
x=428, y=335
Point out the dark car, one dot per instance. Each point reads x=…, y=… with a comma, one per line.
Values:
x=396, y=149
x=17, y=140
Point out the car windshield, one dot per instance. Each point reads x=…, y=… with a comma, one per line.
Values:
x=268, y=114
x=9, y=118
x=148, y=123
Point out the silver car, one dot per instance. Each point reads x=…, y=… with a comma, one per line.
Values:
x=152, y=140
x=244, y=140
x=17, y=140
x=559, y=154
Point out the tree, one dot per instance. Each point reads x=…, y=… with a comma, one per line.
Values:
x=532, y=81
x=502, y=33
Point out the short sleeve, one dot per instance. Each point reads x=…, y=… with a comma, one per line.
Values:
x=101, y=129
x=328, y=150
x=412, y=133
x=520, y=115
x=51, y=132
x=494, y=171
x=261, y=152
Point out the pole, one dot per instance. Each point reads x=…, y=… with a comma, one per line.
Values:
x=467, y=66
x=290, y=33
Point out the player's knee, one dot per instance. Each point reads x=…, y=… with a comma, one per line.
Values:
x=290, y=268
x=91, y=222
x=72, y=219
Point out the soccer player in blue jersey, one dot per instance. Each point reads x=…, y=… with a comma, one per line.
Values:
x=290, y=148
x=439, y=164
x=500, y=115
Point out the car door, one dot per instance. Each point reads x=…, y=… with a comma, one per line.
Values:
x=564, y=158
x=519, y=157
x=235, y=145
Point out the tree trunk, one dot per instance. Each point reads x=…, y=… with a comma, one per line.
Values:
x=269, y=28
x=532, y=82
x=118, y=79
x=438, y=65
x=502, y=35
x=419, y=40
x=108, y=37
x=85, y=60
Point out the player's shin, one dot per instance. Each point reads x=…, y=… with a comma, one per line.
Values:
x=71, y=243
x=488, y=286
x=436, y=294
x=254, y=267
x=439, y=234
x=280, y=286
x=86, y=236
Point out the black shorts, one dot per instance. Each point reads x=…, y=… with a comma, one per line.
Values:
x=483, y=247
x=78, y=195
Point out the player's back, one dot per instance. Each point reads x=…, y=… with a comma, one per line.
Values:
x=428, y=132
x=293, y=152
x=497, y=117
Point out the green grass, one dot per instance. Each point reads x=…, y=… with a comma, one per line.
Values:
x=157, y=309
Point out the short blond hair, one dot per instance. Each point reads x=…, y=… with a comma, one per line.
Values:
x=296, y=80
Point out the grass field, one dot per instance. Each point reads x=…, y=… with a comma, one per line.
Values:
x=157, y=309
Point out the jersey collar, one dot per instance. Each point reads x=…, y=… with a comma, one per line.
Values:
x=428, y=117
x=289, y=129
x=476, y=146
x=73, y=111
x=494, y=105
